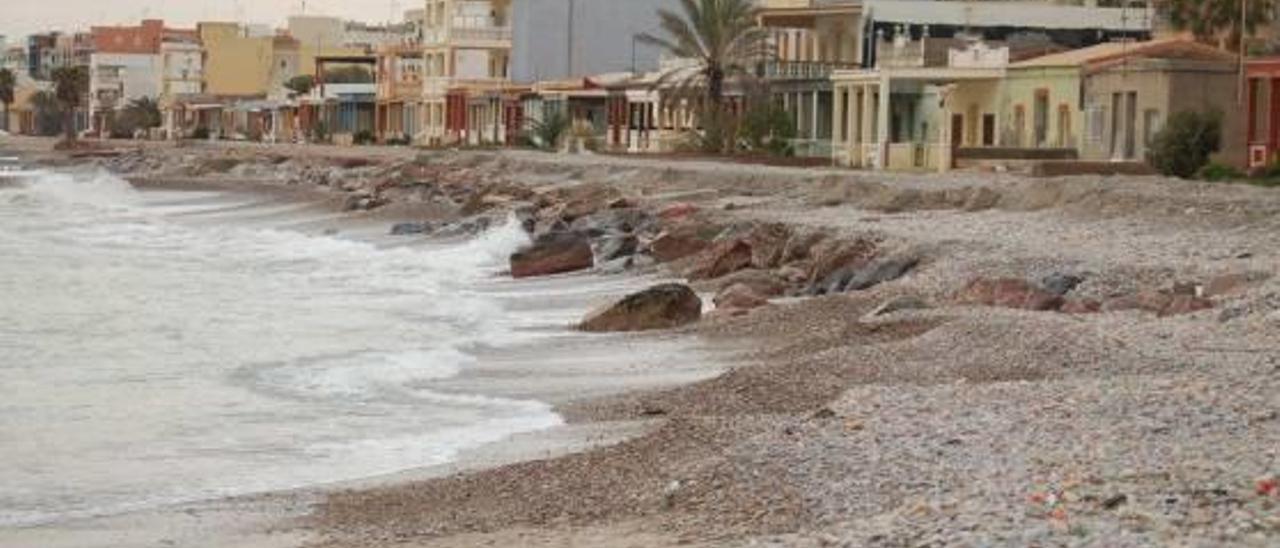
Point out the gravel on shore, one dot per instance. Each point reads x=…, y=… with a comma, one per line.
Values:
x=947, y=425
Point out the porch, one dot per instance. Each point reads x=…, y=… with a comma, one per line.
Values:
x=911, y=119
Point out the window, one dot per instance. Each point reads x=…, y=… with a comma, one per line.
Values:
x=1150, y=125
x=1097, y=121
x=988, y=130
x=1019, y=123
x=1064, y=126
x=1041, y=118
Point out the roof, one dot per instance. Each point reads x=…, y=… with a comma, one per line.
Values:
x=1168, y=48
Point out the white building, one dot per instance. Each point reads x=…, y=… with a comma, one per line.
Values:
x=115, y=79
x=181, y=67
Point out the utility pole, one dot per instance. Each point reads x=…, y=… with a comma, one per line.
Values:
x=569, y=42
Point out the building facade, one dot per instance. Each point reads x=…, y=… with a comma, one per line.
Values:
x=466, y=54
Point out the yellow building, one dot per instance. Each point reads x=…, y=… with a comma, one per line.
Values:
x=237, y=63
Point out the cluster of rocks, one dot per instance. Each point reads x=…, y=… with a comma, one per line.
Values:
x=1054, y=293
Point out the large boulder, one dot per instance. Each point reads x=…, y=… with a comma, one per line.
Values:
x=1008, y=293
x=832, y=255
x=768, y=241
x=607, y=221
x=682, y=240
x=721, y=259
x=552, y=253
x=582, y=199
x=659, y=307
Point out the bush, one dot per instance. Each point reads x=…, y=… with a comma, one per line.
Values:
x=200, y=133
x=362, y=137
x=768, y=128
x=1183, y=147
x=1216, y=172
x=548, y=133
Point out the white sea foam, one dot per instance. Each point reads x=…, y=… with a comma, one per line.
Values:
x=147, y=359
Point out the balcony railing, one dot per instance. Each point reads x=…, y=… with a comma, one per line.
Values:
x=801, y=70
x=467, y=34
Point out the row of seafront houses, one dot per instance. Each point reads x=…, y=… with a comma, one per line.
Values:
x=923, y=85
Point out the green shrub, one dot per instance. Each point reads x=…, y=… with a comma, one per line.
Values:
x=768, y=128
x=200, y=133
x=1184, y=146
x=547, y=133
x=1216, y=172
x=362, y=137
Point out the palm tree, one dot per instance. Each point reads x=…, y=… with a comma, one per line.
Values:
x=48, y=113
x=719, y=39
x=7, y=84
x=70, y=86
x=1218, y=20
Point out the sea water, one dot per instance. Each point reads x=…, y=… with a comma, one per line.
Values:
x=159, y=347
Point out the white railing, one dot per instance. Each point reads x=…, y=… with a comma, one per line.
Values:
x=801, y=70
x=436, y=36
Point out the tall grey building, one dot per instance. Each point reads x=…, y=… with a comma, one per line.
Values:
x=560, y=39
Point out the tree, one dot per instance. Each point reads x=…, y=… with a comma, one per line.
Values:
x=70, y=85
x=7, y=84
x=719, y=40
x=767, y=127
x=301, y=84
x=1186, y=143
x=48, y=113
x=140, y=114
x=1218, y=20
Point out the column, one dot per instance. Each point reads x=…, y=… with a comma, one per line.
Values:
x=882, y=123
x=865, y=116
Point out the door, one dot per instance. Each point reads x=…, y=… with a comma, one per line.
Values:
x=1041, y=118
x=1131, y=126
x=957, y=130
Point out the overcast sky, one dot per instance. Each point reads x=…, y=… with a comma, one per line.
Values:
x=22, y=17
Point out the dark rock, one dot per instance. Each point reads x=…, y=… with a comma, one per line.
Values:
x=1060, y=284
x=881, y=271
x=613, y=220
x=658, y=307
x=552, y=253
x=613, y=246
x=406, y=229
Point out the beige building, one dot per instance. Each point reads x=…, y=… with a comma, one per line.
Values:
x=466, y=52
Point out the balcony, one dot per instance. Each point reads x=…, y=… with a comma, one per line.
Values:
x=480, y=36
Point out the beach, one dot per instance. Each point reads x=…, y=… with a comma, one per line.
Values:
x=956, y=399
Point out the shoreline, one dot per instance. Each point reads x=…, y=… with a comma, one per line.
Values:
x=837, y=426
x=261, y=519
